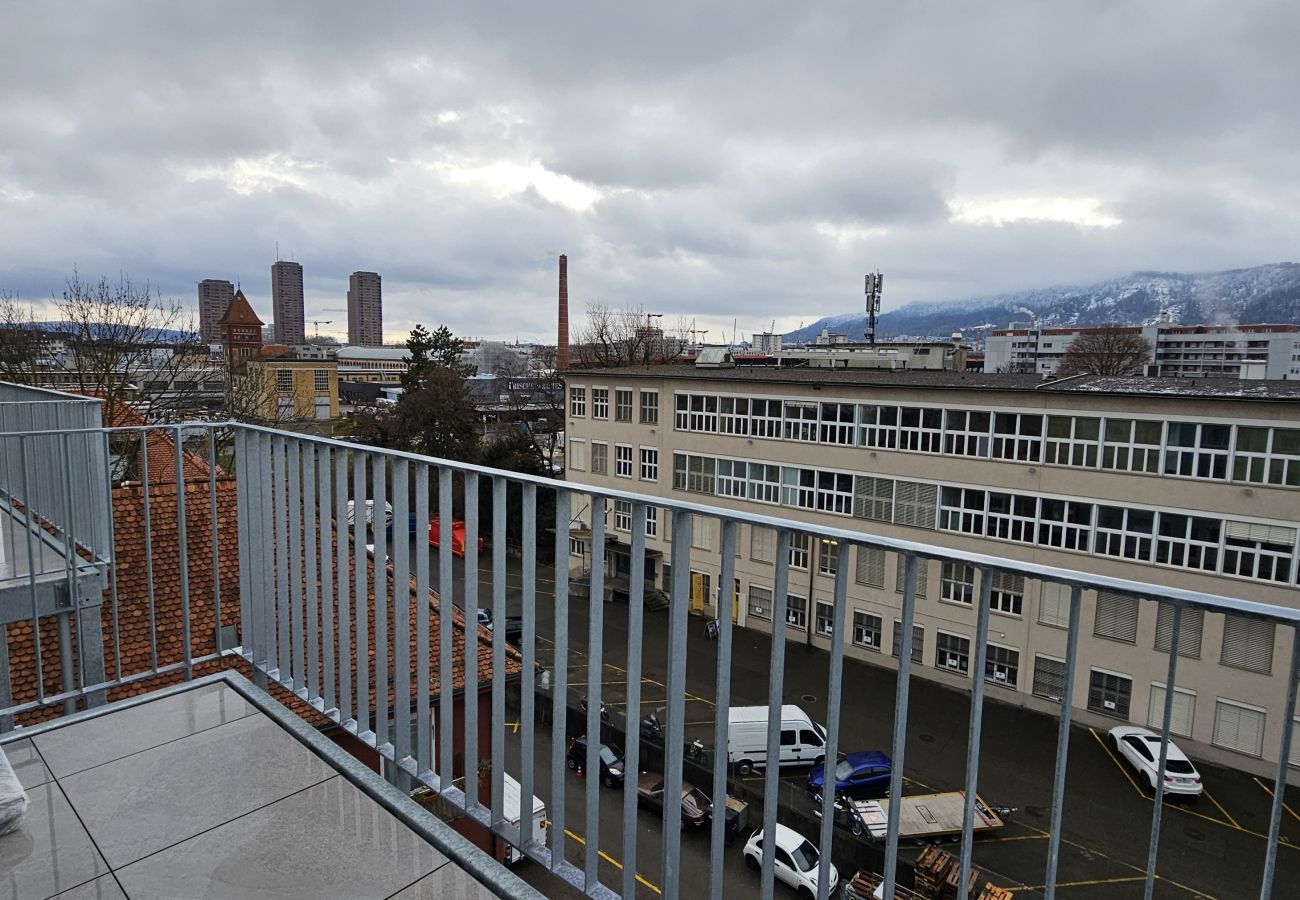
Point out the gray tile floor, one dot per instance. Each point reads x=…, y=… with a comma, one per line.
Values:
x=199, y=795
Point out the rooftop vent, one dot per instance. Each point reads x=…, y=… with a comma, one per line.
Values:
x=715, y=358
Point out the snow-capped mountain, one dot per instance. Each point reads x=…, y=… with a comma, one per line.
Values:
x=1269, y=293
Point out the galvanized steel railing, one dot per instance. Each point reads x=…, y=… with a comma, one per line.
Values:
x=299, y=577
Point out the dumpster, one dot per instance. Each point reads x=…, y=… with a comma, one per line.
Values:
x=737, y=818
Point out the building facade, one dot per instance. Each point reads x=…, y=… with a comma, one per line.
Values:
x=287, y=303
x=379, y=365
x=365, y=310
x=1252, y=352
x=241, y=332
x=214, y=299
x=1192, y=486
x=295, y=390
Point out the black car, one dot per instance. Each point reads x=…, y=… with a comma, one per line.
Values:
x=611, y=760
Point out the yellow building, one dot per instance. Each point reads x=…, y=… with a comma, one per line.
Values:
x=285, y=389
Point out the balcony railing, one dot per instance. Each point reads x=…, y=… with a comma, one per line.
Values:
x=306, y=624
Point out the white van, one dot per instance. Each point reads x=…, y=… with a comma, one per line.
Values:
x=510, y=806
x=803, y=741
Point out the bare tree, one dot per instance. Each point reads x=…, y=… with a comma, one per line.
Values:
x=1109, y=350
x=623, y=337
x=117, y=340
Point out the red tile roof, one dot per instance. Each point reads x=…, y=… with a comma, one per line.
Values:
x=139, y=637
x=240, y=312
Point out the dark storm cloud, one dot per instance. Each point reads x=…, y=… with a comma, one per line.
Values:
x=713, y=160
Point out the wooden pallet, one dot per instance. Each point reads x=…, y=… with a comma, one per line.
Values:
x=993, y=892
x=931, y=873
x=864, y=885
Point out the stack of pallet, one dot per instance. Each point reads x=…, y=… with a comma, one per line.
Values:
x=864, y=886
x=932, y=869
x=993, y=892
x=952, y=891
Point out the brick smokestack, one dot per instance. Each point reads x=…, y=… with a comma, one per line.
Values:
x=562, y=362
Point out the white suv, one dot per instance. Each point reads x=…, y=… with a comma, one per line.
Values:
x=796, y=860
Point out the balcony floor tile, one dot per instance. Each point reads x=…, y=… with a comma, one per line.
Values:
x=328, y=841
x=447, y=883
x=51, y=852
x=155, y=798
x=104, y=887
x=96, y=741
x=27, y=764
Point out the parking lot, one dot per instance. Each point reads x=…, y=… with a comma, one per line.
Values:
x=1212, y=847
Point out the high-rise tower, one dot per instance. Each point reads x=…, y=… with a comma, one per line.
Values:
x=286, y=302
x=365, y=310
x=214, y=299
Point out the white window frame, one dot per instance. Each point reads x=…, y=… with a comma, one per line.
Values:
x=1196, y=459
x=878, y=426
x=649, y=469
x=917, y=643
x=762, y=609
x=1065, y=675
x=1128, y=453
x=1072, y=448
x=796, y=611
x=622, y=515
x=765, y=418
x=623, y=410
x=1007, y=595
x=1222, y=704
x=623, y=460
x=702, y=533
x=600, y=403
x=1010, y=671
x=952, y=658
x=957, y=583
x=576, y=452
x=733, y=416
x=764, y=483
x=603, y=468
x=835, y=429
x=1156, y=710
x=862, y=629
x=800, y=420
x=798, y=549
x=1054, y=604
x=652, y=521
x=649, y=414
x=762, y=544
x=824, y=618
x=827, y=556
x=1102, y=709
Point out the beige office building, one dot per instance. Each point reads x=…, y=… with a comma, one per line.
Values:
x=1192, y=485
x=215, y=295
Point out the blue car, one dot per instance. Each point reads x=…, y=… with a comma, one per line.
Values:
x=863, y=776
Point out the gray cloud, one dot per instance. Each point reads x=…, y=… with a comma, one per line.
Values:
x=744, y=160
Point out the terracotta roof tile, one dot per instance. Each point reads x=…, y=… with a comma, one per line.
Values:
x=140, y=639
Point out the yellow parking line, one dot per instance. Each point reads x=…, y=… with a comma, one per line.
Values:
x=1268, y=790
x=1226, y=814
x=1122, y=767
x=613, y=862
x=1199, y=895
x=1090, y=883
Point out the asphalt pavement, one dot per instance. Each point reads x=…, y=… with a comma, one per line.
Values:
x=1212, y=847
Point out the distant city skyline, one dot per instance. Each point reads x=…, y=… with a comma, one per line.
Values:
x=687, y=160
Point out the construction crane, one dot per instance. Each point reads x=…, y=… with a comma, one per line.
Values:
x=317, y=323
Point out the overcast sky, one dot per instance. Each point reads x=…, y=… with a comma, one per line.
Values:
x=722, y=161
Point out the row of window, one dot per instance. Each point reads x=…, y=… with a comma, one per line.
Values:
x=1246, y=453
x=645, y=460
x=1246, y=643
x=1261, y=552
x=622, y=404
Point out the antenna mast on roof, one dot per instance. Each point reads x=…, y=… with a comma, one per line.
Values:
x=875, y=285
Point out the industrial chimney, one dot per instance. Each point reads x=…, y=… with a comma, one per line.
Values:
x=562, y=362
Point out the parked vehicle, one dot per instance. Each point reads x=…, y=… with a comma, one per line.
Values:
x=611, y=760
x=803, y=741
x=457, y=536
x=863, y=776
x=1140, y=747
x=921, y=817
x=370, y=513
x=511, y=794
x=797, y=862
x=652, y=729
x=696, y=807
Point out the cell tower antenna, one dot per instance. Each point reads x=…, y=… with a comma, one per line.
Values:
x=875, y=286
x=277, y=251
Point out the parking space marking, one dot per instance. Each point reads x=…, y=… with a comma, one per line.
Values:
x=1122, y=767
x=1227, y=815
x=1124, y=879
x=1268, y=790
x=1200, y=895
x=613, y=862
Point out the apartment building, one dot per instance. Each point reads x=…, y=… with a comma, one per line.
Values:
x=1253, y=352
x=1186, y=484
x=287, y=303
x=365, y=310
x=215, y=295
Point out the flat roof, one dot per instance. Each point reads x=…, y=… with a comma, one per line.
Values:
x=913, y=379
